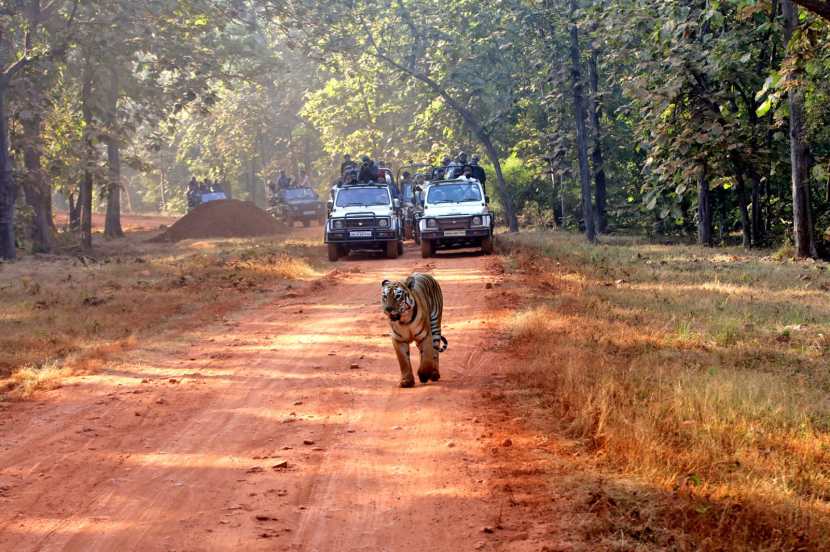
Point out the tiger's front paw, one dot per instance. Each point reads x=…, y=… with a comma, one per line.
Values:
x=425, y=376
x=407, y=383
x=435, y=376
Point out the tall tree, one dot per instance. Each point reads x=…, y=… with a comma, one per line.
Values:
x=21, y=43
x=805, y=245
x=581, y=132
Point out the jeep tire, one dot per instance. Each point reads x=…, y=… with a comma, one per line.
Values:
x=392, y=249
x=427, y=248
x=334, y=252
x=487, y=245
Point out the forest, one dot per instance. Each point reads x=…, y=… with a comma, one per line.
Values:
x=700, y=120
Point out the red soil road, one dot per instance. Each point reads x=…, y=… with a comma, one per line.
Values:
x=182, y=444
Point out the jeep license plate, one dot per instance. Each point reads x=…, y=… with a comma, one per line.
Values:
x=455, y=233
x=360, y=234
x=309, y=212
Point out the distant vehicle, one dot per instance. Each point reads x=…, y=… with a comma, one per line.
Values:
x=299, y=204
x=213, y=196
x=196, y=198
x=455, y=215
x=363, y=216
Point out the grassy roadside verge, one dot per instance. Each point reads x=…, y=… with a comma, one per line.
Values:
x=695, y=381
x=67, y=314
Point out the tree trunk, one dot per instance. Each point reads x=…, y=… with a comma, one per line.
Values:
x=596, y=155
x=805, y=245
x=112, y=223
x=581, y=138
x=504, y=195
x=85, y=195
x=36, y=187
x=757, y=214
x=704, y=209
x=746, y=225
x=8, y=190
x=74, y=212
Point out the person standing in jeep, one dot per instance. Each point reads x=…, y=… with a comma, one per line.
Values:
x=283, y=181
x=347, y=164
x=368, y=170
x=479, y=172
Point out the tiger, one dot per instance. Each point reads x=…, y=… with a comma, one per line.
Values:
x=414, y=308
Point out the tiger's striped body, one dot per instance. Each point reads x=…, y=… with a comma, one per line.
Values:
x=414, y=308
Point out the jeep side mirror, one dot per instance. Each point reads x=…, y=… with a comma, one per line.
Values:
x=418, y=189
x=396, y=203
x=486, y=199
x=330, y=204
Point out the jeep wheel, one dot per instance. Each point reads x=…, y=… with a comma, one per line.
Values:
x=334, y=252
x=427, y=249
x=391, y=250
x=400, y=248
x=487, y=246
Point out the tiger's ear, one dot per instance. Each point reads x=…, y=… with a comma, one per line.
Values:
x=385, y=283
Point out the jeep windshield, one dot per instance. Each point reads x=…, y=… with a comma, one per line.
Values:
x=453, y=192
x=363, y=197
x=293, y=194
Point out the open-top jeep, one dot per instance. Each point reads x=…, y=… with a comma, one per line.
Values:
x=363, y=216
x=455, y=215
x=297, y=204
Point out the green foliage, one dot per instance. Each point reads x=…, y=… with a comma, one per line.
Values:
x=193, y=88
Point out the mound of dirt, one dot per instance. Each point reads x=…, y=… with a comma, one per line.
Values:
x=229, y=218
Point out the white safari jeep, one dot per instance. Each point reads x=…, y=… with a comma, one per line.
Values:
x=455, y=215
x=363, y=217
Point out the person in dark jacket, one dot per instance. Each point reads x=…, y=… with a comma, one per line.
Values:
x=368, y=170
x=283, y=182
x=478, y=172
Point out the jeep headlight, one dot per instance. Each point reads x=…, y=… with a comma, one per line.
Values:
x=338, y=224
x=432, y=223
x=383, y=223
x=476, y=221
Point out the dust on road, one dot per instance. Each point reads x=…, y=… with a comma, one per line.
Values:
x=258, y=433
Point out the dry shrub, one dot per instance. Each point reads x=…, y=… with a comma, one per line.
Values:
x=24, y=382
x=723, y=422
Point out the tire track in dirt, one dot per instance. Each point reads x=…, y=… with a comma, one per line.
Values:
x=256, y=433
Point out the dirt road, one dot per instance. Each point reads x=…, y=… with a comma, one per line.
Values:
x=281, y=428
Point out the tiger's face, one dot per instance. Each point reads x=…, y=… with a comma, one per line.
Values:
x=395, y=299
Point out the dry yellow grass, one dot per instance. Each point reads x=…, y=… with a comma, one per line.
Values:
x=67, y=314
x=697, y=378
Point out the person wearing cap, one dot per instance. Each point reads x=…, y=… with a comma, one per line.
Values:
x=368, y=170
x=479, y=172
x=455, y=168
